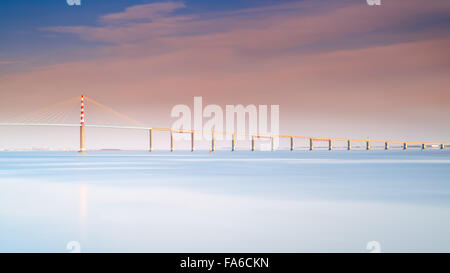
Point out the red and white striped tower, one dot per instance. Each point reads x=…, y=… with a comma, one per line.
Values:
x=82, y=109
x=82, y=148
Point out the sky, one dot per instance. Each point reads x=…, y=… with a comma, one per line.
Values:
x=336, y=68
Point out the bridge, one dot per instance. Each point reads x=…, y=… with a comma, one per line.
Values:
x=369, y=144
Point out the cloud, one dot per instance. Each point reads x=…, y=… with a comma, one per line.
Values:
x=277, y=28
x=148, y=11
x=6, y=62
x=336, y=63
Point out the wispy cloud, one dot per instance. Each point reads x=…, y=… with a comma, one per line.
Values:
x=6, y=62
x=268, y=29
x=149, y=12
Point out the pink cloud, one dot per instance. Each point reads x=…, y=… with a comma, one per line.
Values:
x=148, y=11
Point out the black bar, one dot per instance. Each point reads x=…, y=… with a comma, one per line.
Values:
x=245, y=262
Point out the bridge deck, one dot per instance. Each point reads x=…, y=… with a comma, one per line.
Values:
x=227, y=133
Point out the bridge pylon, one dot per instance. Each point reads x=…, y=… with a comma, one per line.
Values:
x=82, y=127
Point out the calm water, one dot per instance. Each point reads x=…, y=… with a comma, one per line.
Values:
x=225, y=202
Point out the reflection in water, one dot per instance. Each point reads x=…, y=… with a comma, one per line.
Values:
x=83, y=210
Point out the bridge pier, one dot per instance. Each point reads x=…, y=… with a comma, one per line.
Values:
x=213, y=142
x=150, y=132
x=233, y=143
x=349, y=145
x=367, y=145
x=386, y=145
x=330, y=145
x=311, y=144
x=292, y=144
x=272, y=143
x=171, y=142
x=442, y=147
x=405, y=146
x=82, y=143
x=424, y=146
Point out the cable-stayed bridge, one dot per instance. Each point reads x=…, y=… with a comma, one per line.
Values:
x=52, y=115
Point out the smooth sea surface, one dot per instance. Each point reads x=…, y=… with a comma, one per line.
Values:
x=302, y=201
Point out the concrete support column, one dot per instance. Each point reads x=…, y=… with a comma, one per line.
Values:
x=171, y=142
x=386, y=145
x=349, y=145
x=272, y=143
x=192, y=141
x=213, y=142
x=253, y=143
x=330, y=145
x=233, y=143
x=442, y=147
x=151, y=140
x=367, y=145
x=405, y=146
x=424, y=146
x=292, y=144
x=82, y=134
x=311, y=144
